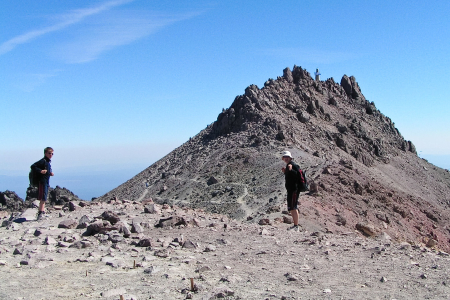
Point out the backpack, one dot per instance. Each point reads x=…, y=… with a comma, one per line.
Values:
x=302, y=181
x=34, y=178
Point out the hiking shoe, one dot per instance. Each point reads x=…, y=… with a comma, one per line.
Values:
x=41, y=216
x=294, y=228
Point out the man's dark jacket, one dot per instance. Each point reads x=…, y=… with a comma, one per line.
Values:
x=43, y=164
x=292, y=177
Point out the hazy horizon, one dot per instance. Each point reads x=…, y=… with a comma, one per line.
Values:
x=87, y=186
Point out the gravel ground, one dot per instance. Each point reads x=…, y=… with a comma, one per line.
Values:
x=226, y=259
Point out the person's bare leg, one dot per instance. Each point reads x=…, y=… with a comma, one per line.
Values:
x=294, y=214
x=41, y=205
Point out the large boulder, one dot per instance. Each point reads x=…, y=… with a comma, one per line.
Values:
x=10, y=201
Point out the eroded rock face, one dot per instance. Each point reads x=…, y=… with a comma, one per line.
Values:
x=351, y=87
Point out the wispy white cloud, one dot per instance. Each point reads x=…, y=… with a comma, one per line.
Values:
x=109, y=31
x=65, y=21
x=310, y=55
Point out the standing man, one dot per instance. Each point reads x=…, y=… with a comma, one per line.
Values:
x=43, y=168
x=291, y=173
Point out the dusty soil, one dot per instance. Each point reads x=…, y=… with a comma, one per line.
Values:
x=226, y=258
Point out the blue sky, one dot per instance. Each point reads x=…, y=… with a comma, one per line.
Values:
x=113, y=86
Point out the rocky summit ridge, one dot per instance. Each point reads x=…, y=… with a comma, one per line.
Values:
x=364, y=175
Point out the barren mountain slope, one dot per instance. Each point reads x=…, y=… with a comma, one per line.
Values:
x=367, y=176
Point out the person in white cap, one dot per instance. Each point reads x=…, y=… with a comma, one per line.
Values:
x=291, y=172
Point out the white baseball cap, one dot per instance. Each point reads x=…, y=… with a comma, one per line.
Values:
x=286, y=153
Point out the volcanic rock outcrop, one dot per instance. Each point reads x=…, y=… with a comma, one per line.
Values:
x=11, y=202
x=56, y=196
x=367, y=177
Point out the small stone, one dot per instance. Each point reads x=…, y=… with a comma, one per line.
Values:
x=115, y=263
x=18, y=251
x=366, y=228
x=423, y=276
x=73, y=206
x=152, y=270
x=50, y=241
x=146, y=242
x=327, y=291
x=264, y=222
x=63, y=244
x=383, y=279
x=189, y=245
x=405, y=246
x=204, y=269
x=152, y=208
x=384, y=236
x=291, y=277
x=136, y=228
x=83, y=222
x=210, y=248
x=81, y=244
x=196, y=222
x=288, y=219
x=224, y=293
x=264, y=232
x=110, y=216
x=163, y=253
x=431, y=243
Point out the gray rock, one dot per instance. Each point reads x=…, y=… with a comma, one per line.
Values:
x=152, y=270
x=63, y=244
x=83, y=222
x=28, y=215
x=171, y=222
x=50, y=241
x=137, y=228
x=190, y=245
x=146, y=242
x=212, y=180
x=69, y=224
x=210, y=248
x=152, y=208
x=81, y=244
x=204, y=269
x=163, y=253
x=303, y=117
x=18, y=251
x=111, y=217
x=73, y=206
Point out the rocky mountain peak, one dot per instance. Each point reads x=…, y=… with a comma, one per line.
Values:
x=365, y=175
